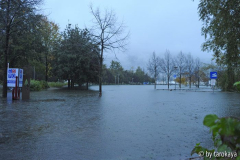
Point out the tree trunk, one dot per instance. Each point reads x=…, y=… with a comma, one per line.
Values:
x=180, y=80
x=168, y=81
x=100, y=72
x=190, y=82
x=68, y=83
x=72, y=83
x=6, y=50
x=46, y=74
x=155, y=82
x=87, y=85
x=198, y=81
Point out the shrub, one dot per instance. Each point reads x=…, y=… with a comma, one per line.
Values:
x=38, y=85
x=56, y=84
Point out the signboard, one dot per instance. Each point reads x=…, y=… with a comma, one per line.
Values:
x=11, y=77
x=213, y=82
x=213, y=75
x=20, y=84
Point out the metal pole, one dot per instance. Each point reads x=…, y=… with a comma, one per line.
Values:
x=115, y=79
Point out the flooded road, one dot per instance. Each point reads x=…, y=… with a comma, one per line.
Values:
x=127, y=122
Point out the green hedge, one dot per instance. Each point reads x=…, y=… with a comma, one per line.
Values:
x=56, y=84
x=38, y=85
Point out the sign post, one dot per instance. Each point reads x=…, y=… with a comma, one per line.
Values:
x=15, y=80
x=213, y=77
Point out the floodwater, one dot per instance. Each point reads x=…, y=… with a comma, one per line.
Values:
x=127, y=122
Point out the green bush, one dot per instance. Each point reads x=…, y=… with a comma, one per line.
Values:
x=237, y=85
x=226, y=137
x=38, y=85
x=56, y=84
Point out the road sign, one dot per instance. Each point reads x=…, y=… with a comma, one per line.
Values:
x=213, y=82
x=213, y=75
x=11, y=77
x=174, y=76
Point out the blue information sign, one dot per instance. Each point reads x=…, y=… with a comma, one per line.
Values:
x=213, y=75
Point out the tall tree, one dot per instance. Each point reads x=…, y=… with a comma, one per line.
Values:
x=153, y=67
x=167, y=65
x=109, y=35
x=197, y=70
x=181, y=65
x=190, y=68
x=12, y=13
x=222, y=31
x=76, y=57
x=50, y=36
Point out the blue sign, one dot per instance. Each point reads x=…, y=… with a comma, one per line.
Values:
x=213, y=75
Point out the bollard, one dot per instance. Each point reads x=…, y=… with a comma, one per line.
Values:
x=16, y=91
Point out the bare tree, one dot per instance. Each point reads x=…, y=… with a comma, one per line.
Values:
x=197, y=70
x=109, y=35
x=180, y=63
x=167, y=65
x=190, y=68
x=153, y=67
x=12, y=13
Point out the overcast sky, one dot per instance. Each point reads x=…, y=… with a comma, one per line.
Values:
x=154, y=25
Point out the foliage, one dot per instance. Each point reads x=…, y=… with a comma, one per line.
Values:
x=76, y=57
x=36, y=85
x=125, y=76
x=56, y=84
x=221, y=29
x=237, y=85
x=16, y=17
x=225, y=134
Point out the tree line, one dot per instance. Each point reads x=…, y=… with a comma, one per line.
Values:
x=184, y=67
x=115, y=74
x=29, y=38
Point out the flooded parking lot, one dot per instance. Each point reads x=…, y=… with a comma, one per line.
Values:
x=127, y=122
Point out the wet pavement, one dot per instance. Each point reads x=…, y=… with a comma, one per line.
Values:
x=127, y=122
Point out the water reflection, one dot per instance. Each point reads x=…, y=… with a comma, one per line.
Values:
x=127, y=122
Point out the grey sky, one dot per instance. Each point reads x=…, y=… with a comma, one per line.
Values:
x=154, y=25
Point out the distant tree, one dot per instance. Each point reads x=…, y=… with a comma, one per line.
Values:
x=13, y=13
x=116, y=70
x=109, y=35
x=167, y=65
x=222, y=31
x=190, y=68
x=153, y=67
x=181, y=64
x=139, y=75
x=197, y=70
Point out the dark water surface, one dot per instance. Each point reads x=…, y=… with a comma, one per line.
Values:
x=127, y=122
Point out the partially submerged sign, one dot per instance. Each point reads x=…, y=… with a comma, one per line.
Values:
x=12, y=73
x=213, y=82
